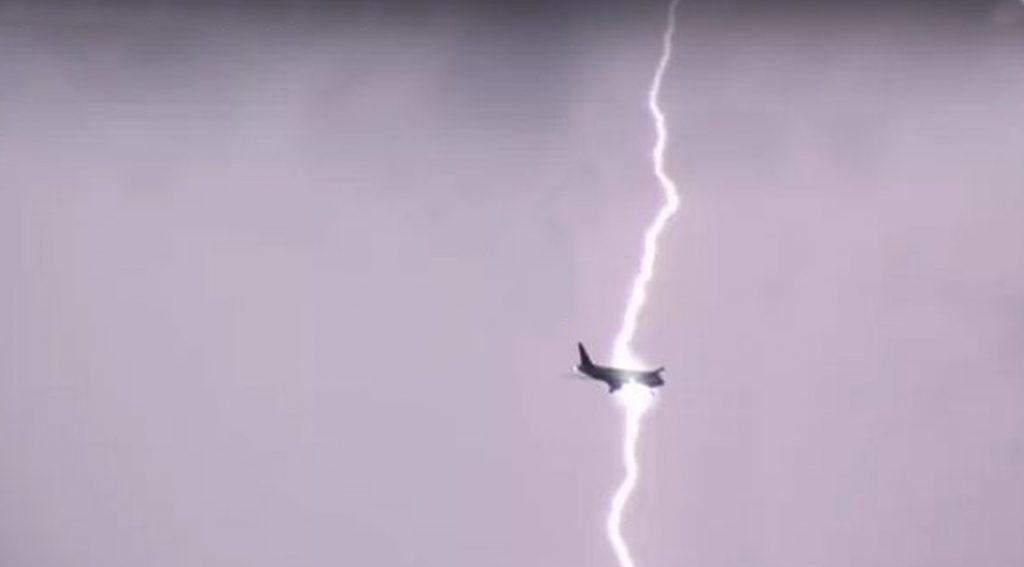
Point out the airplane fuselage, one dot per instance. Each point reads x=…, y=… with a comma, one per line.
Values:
x=616, y=378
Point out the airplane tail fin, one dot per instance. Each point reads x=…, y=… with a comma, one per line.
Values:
x=585, y=361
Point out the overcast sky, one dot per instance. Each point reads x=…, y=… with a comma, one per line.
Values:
x=299, y=284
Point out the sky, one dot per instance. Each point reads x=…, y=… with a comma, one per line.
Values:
x=300, y=283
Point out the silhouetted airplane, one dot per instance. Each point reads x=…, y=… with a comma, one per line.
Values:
x=617, y=377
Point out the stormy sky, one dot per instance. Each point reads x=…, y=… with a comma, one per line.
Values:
x=299, y=283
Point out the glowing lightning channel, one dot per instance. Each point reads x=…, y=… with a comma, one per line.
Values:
x=622, y=352
x=636, y=399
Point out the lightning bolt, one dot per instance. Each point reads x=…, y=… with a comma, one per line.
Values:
x=622, y=352
x=636, y=399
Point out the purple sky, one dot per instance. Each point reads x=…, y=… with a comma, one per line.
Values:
x=279, y=289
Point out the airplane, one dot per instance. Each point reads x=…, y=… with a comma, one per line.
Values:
x=617, y=377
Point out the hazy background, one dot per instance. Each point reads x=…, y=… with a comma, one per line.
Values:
x=297, y=283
